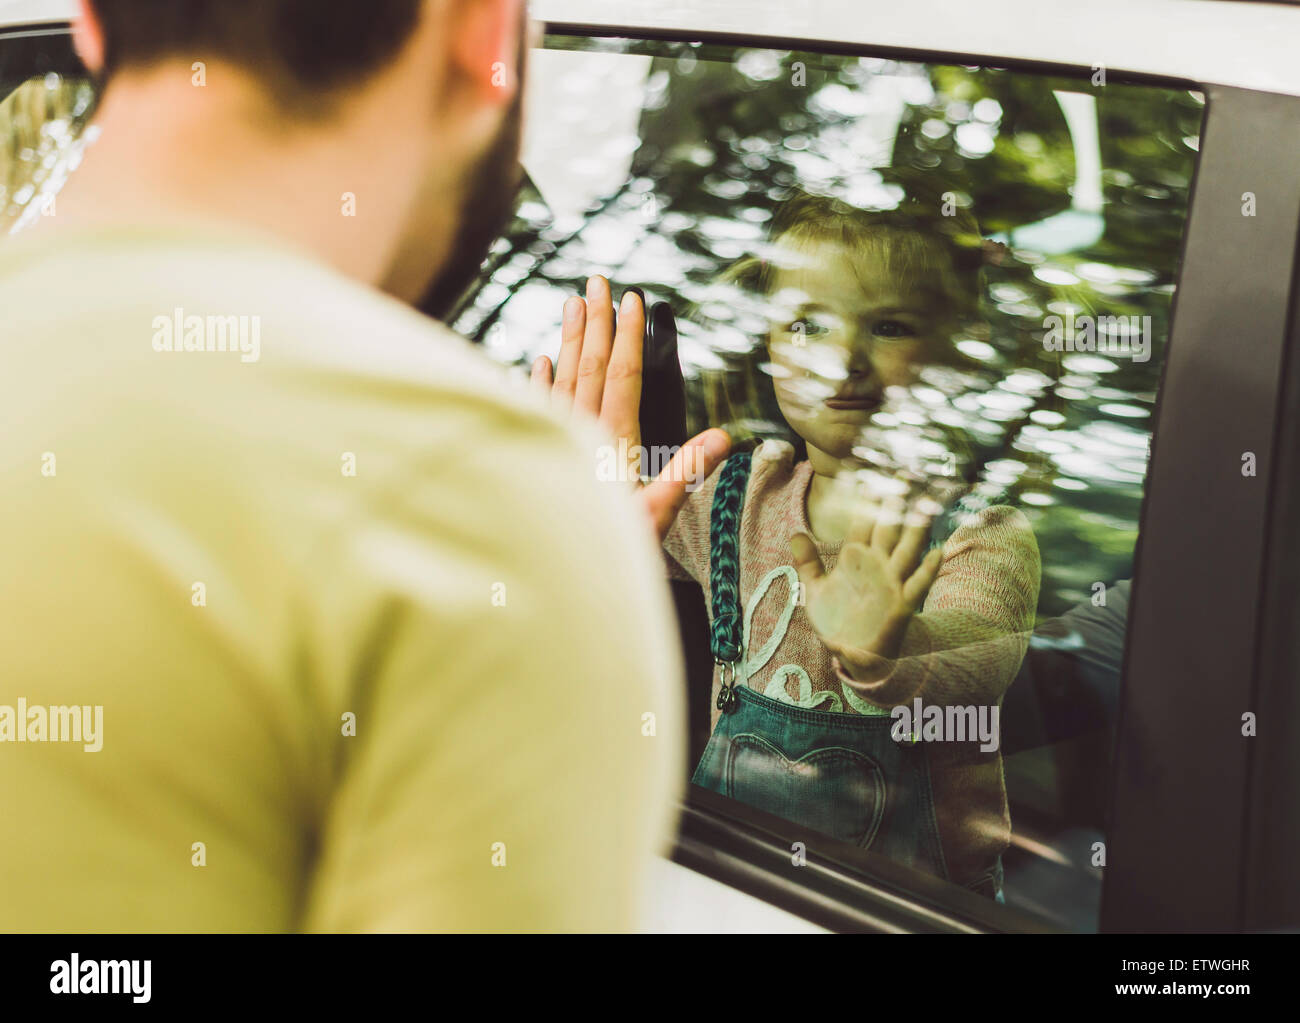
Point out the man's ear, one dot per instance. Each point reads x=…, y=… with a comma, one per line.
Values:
x=485, y=47
x=88, y=37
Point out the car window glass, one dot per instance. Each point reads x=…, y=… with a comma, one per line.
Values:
x=42, y=129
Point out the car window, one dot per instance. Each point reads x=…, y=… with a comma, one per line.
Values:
x=45, y=106
x=916, y=289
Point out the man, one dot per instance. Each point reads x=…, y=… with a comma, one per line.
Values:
x=308, y=618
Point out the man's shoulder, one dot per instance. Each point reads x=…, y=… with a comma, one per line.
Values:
x=201, y=291
x=274, y=372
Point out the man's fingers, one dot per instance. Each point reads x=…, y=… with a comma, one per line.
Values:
x=697, y=458
x=541, y=374
x=915, y=589
x=693, y=464
x=597, y=340
x=807, y=562
x=571, y=330
x=620, y=408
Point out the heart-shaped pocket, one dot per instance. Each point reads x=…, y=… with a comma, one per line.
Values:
x=835, y=790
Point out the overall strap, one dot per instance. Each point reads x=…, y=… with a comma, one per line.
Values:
x=724, y=571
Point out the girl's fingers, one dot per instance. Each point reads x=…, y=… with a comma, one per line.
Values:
x=888, y=527
x=903, y=560
x=807, y=562
x=855, y=563
x=571, y=329
x=597, y=340
x=915, y=589
x=862, y=523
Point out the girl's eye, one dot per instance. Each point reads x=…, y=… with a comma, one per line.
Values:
x=891, y=329
x=808, y=328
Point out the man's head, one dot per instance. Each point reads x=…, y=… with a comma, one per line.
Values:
x=305, y=52
x=423, y=96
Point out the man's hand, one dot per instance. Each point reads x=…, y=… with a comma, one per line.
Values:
x=599, y=372
x=862, y=607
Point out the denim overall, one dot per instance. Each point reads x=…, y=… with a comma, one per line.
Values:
x=840, y=774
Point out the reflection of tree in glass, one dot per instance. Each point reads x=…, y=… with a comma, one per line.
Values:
x=41, y=122
x=1093, y=218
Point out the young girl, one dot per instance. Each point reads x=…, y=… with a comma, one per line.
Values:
x=826, y=609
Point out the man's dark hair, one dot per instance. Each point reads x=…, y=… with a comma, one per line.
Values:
x=298, y=48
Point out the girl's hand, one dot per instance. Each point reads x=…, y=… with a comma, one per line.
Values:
x=862, y=607
x=598, y=373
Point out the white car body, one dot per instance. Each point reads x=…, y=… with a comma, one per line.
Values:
x=1249, y=45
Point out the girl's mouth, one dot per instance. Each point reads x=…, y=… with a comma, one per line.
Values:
x=861, y=403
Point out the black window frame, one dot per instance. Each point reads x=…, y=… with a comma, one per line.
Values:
x=1173, y=865
x=24, y=56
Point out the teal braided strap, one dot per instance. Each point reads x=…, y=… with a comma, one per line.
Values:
x=724, y=570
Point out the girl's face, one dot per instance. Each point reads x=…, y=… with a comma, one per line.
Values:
x=841, y=332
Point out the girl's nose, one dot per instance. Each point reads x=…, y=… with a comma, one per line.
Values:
x=860, y=364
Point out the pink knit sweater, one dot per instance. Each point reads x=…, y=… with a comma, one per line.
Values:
x=963, y=649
